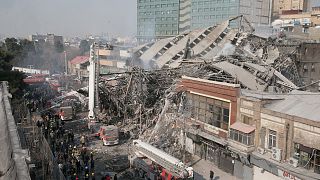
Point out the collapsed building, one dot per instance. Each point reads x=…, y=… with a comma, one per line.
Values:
x=258, y=63
x=176, y=81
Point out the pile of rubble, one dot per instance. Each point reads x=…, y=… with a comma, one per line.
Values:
x=145, y=101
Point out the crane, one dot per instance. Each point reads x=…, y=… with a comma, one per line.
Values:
x=92, y=83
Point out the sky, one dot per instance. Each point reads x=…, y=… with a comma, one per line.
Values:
x=20, y=18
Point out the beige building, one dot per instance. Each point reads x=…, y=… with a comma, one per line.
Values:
x=78, y=67
x=251, y=134
x=285, y=5
x=286, y=135
x=293, y=5
x=315, y=16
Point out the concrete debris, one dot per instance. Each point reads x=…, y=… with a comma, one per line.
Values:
x=144, y=100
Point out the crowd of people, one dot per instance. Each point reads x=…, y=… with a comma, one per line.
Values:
x=73, y=157
x=71, y=153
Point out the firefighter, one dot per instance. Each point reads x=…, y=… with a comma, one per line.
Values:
x=91, y=155
x=92, y=164
x=93, y=176
x=86, y=172
x=82, y=140
x=78, y=165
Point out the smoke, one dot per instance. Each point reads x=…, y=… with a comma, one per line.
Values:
x=227, y=50
x=45, y=57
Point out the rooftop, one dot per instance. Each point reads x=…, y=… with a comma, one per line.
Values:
x=296, y=103
x=79, y=59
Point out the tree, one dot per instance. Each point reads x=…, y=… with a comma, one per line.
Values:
x=12, y=45
x=84, y=46
x=14, y=78
x=5, y=58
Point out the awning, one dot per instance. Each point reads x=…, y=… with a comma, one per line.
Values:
x=245, y=128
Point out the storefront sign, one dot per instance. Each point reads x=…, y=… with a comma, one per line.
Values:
x=211, y=129
x=287, y=175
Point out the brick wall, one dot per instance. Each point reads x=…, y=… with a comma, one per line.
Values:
x=225, y=91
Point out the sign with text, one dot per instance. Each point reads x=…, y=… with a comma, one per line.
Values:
x=287, y=175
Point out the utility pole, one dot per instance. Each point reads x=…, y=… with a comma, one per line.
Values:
x=140, y=119
x=65, y=63
x=184, y=108
x=184, y=140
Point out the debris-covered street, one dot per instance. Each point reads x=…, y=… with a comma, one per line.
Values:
x=205, y=90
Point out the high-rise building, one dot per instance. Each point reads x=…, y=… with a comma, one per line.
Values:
x=158, y=19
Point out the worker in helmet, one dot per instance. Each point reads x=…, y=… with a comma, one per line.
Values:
x=82, y=140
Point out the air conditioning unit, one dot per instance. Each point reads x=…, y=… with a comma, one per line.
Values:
x=261, y=150
x=293, y=162
x=276, y=154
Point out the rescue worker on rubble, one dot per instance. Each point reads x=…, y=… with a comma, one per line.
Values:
x=93, y=176
x=86, y=172
x=91, y=156
x=92, y=164
x=82, y=140
x=78, y=165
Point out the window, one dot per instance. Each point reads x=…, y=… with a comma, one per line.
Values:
x=241, y=137
x=211, y=111
x=272, y=142
x=247, y=120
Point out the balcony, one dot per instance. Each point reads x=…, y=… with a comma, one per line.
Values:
x=241, y=138
x=239, y=147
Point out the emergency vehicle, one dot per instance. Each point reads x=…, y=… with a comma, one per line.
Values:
x=154, y=163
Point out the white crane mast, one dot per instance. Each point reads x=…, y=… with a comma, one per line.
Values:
x=92, y=83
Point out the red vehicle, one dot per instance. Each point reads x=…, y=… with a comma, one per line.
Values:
x=109, y=135
x=154, y=163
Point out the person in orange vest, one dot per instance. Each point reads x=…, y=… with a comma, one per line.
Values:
x=61, y=114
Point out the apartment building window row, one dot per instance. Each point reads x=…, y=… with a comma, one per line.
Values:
x=168, y=32
x=241, y=137
x=211, y=111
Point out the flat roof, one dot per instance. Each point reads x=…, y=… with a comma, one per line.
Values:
x=211, y=82
x=298, y=103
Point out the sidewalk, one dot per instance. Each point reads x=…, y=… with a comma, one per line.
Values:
x=201, y=169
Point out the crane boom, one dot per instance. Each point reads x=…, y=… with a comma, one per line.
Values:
x=170, y=163
x=92, y=86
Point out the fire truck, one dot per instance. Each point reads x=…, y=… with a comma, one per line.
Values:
x=154, y=163
x=109, y=135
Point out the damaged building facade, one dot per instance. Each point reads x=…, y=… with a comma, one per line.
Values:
x=250, y=134
x=213, y=107
x=247, y=109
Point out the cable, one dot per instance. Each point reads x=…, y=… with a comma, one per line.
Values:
x=310, y=158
